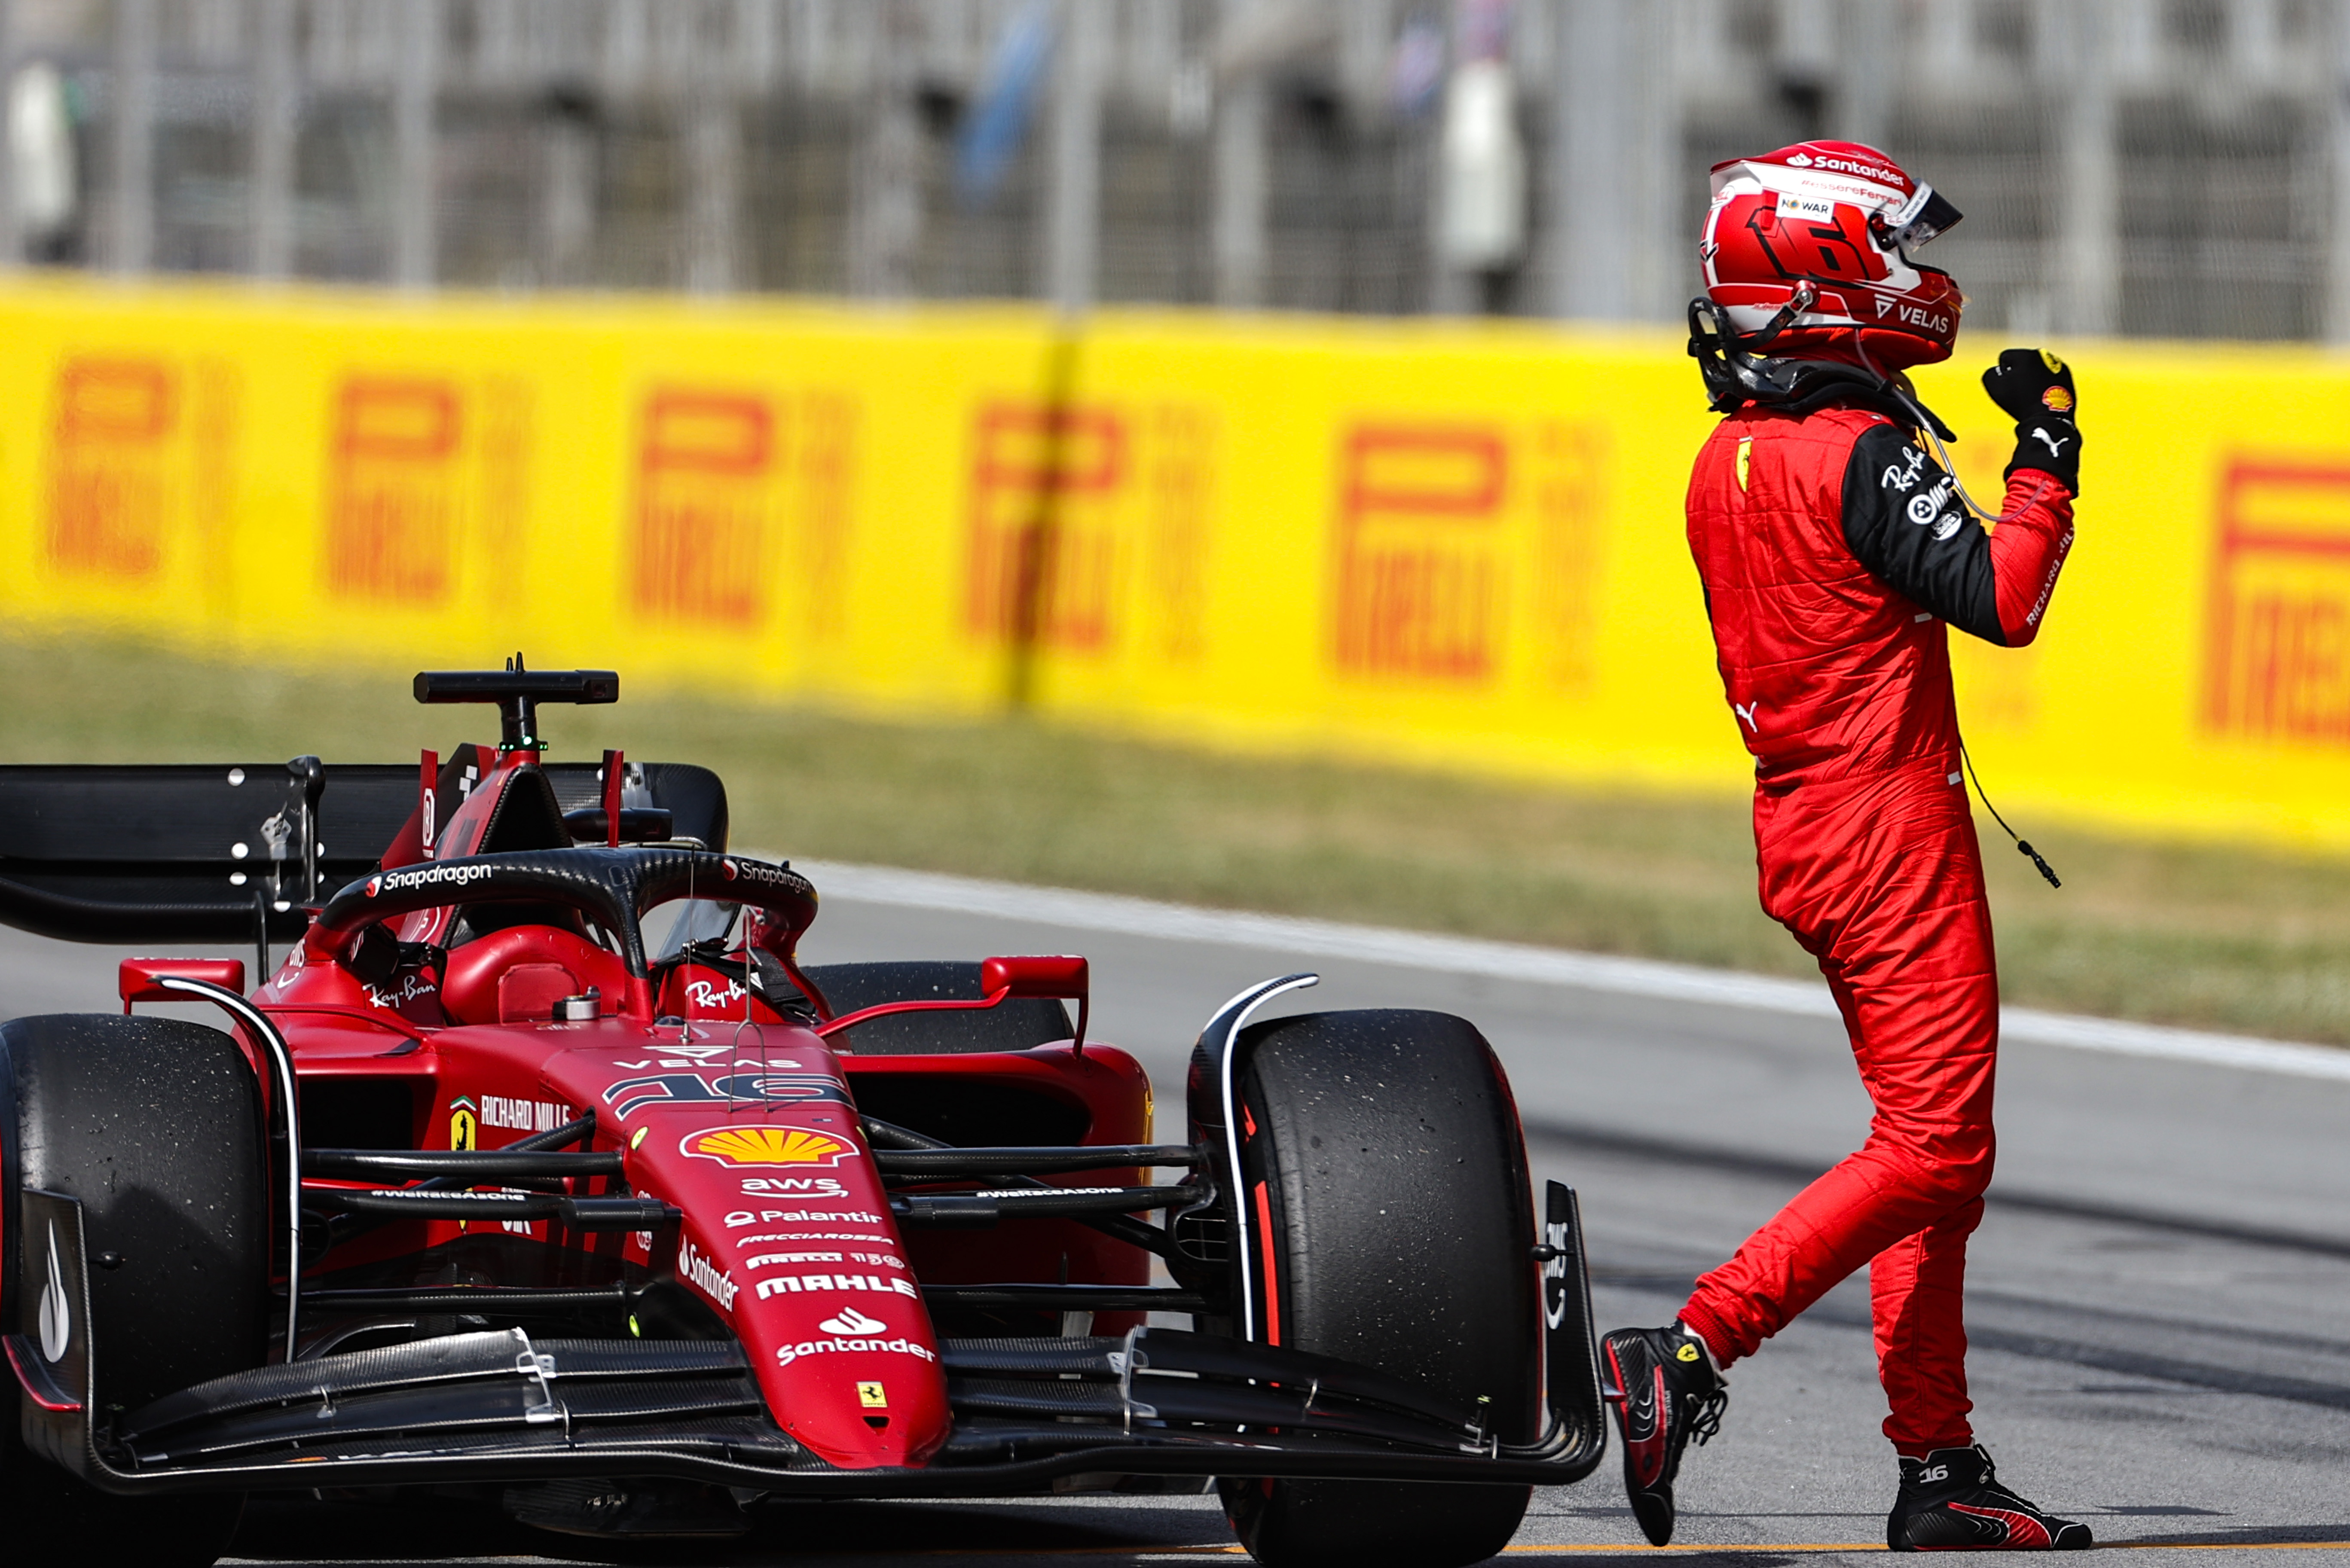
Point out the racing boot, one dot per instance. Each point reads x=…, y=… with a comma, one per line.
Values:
x=1950, y=1502
x=1667, y=1393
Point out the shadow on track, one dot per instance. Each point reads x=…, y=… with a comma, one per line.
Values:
x=290, y=1529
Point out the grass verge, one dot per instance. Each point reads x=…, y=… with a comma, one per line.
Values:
x=2214, y=936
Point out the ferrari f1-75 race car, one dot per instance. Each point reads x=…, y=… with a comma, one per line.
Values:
x=487, y=1187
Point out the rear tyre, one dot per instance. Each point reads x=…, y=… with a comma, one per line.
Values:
x=1386, y=1179
x=154, y=1124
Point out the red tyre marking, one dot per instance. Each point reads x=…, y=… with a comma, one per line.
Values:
x=1272, y=1292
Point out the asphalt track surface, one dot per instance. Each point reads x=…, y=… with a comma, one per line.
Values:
x=2160, y=1300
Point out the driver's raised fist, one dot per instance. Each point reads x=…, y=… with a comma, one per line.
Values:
x=2035, y=388
x=2032, y=384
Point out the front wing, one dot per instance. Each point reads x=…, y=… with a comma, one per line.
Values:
x=496, y=1406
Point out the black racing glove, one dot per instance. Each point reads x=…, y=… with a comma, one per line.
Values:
x=2035, y=389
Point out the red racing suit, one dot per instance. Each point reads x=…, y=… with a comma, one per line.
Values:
x=1833, y=551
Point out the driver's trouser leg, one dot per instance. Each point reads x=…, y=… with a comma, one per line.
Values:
x=1881, y=880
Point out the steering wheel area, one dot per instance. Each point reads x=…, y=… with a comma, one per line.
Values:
x=613, y=889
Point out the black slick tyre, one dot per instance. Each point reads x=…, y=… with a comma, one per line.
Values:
x=1387, y=1187
x=154, y=1124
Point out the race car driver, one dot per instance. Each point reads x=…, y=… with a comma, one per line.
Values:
x=1834, y=551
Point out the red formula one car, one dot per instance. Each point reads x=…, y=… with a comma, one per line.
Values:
x=487, y=1188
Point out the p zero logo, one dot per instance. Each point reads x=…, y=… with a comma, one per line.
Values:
x=2277, y=631
x=1421, y=579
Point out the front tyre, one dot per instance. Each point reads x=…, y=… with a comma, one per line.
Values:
x=154, y=1124
x=1391, y=1224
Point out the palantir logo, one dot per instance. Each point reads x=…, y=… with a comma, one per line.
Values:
x=850, y=1321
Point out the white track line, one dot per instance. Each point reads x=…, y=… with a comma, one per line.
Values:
x=1516, y=960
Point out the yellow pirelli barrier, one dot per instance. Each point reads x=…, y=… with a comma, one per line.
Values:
x=767, y=500
x=1440, y=544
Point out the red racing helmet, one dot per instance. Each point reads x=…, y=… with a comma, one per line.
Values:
x=1841, y=217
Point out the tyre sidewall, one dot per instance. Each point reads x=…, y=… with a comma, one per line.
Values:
x=154, y=1126
x=1390, y=1214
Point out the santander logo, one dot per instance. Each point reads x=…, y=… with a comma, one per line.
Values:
x=851, y=1320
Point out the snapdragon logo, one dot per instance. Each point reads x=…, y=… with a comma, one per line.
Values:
x=706, y=1276
x=459, y=873
x=753, y=871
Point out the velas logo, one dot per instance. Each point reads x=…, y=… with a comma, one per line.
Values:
x=459, y=872
x=766, y=1146
x=851, y=1320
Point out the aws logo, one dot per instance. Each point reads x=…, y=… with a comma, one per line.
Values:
x=766, y=1146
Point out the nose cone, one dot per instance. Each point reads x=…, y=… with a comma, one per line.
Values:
x=788, y=1235
x=788, y=1232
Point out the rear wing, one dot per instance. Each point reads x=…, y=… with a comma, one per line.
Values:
x=202, y=851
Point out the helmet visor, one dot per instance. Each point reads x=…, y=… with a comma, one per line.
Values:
x=1920, y=219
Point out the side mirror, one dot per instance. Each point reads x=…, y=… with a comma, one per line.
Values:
x=138, y=978
x=1056, y=977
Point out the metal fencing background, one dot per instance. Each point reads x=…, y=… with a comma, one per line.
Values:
x=2164, y=167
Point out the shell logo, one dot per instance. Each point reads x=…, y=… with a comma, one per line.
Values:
x=766, y=1146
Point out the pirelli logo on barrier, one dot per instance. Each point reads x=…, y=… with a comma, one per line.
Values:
x=427, y=476
x=1445, y=532
x=1422, y=577
x=738, y=491
x=2277, y=650
x=139, y=465
x=1088, y=527
x=1043, y=547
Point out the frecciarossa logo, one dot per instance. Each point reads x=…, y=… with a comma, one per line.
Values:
x=457, y=873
